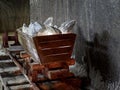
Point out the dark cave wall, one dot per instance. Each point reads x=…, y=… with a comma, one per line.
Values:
x=98, y=34
x=13, y=13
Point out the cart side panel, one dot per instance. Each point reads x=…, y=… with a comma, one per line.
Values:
x=53, y=48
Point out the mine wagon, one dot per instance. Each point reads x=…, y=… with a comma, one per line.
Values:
x=46, y=59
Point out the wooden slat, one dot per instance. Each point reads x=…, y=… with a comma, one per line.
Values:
x=54, y=37
x=55, y=58
x=56, y=43
x=58, y=74
x=21, y=87
x=9, y=69
x=15, y=80
x=6, y=61
x=53, y=65
x=60, y=64
x=66, y=84
x=6, y=57
x=56, y=50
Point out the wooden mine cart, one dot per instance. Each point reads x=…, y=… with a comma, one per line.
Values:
x=48, y=57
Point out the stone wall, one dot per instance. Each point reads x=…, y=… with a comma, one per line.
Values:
x=13, y=13
x=98, y=34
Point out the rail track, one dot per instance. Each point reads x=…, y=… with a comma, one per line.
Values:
x=14, y=76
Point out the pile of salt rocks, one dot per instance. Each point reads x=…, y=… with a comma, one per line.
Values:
x=35, y=29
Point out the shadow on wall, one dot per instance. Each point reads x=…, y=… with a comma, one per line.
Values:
x=97, y=55
x=79, y=45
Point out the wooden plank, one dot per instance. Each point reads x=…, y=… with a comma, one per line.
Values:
x=5, y=64
x=6, y=61
x=54, y=37
x=55, y=58
x=53, y=65
x=16, y=80
x=5, y=57
x=57, y=50
x=21, y=87
x=64, y=84
x=9, y=69
x=53, y=44
x=16, y=48
x=59, y=74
